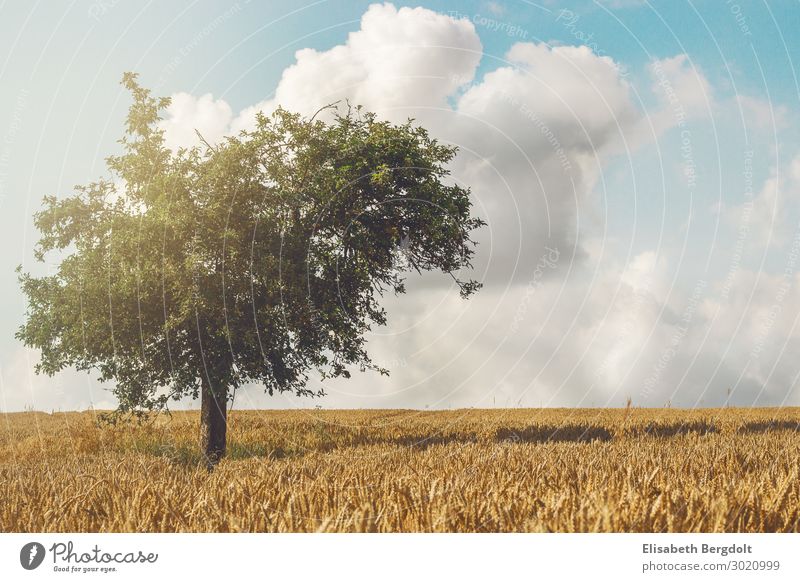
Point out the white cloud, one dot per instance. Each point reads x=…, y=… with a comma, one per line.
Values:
x=762, y=214
x=762, y=116
x=683, y=90
x=187, y=115
x=594, y=341
x=577, y=96
x=399, y=61
x=535, y=135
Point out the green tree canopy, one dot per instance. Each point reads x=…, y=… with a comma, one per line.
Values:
x=257, y=260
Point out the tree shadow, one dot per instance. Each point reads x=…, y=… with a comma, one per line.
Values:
x=533, y=434
x=237, y=451
x=423, y=442
x=763, y=426
x=700, y=428
x=565, y=433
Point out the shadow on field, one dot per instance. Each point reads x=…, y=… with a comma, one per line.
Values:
x=187, y=454
x=768, y=426
x=423, y=442
x=700, y=428
x=420, y=442
x=570, y=433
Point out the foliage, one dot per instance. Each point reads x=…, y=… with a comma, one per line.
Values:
x=256, y=260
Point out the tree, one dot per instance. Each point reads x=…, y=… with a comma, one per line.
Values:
x=257, y=260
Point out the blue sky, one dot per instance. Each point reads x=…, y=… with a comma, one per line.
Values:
x=635, y=218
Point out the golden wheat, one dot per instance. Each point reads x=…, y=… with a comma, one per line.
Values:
x=565, y=470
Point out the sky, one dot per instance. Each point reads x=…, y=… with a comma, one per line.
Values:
x=636, y=164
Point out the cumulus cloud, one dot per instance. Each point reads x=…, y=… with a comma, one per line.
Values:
x=760, y=115
x=534, y=133
x=683, y=90
x=761, y=216
x=561, y=321
x=398, y=62
x=188, y=115
x=595, y=341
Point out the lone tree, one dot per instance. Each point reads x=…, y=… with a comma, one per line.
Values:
x=257, y=260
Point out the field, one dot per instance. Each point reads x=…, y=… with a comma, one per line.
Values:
x=565, y=470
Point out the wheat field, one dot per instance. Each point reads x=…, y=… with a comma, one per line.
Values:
x=511, y=470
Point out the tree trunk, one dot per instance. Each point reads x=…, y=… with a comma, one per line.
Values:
x=213, y=422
